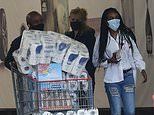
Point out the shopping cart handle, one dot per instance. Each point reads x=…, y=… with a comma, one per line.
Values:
x=14, y=68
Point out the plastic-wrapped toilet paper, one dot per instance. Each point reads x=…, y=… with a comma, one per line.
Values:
x=31, y=46
x=71, y=113
x=74, y=100
x=73, y=85
x=84, y=74
x=70, y=76
x=73, y=97
x=61, y=47
x=82, y=112
x=28, y=37
x=53, y=34
x=69, y=59
x=48, y=49
x=18, y=58
x=33, y=53
x=60, y=113
x=92, y=112
x=47, y=113
x=22, y=65
x=83, y=83
x=25, y=69
x=80, y=62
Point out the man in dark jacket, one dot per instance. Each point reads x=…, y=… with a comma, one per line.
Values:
x=34, y=22
x=84, y=34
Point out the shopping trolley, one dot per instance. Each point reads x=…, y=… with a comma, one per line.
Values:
x=35, y=97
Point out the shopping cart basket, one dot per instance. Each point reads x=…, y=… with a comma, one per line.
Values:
x=34, y=96
x=25, y=92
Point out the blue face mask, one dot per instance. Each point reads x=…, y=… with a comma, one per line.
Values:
x=114, y=24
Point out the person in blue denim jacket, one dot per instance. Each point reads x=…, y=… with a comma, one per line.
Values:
x=116, y=50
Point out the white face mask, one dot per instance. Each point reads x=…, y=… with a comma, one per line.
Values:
x=114, y=24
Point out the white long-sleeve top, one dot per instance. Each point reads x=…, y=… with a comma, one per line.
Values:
x=129, y=59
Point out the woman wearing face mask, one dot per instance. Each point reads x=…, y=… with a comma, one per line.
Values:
x=84, y=34
x=117, y=52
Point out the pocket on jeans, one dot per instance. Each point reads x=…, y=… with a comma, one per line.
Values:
x=129, y=73
x=129, y=79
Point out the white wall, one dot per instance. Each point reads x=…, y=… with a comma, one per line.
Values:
x=94, y=7
x=16, y=11
x=144, y=91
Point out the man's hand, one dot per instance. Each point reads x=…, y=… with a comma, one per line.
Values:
x=144, y=74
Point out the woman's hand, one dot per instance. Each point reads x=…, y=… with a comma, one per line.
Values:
x=113, y=59
x=144, y=74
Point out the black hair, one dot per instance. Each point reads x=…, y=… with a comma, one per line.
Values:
x=124, y=31
x=30, y=16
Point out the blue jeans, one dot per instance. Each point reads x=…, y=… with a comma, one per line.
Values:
x=122, y=93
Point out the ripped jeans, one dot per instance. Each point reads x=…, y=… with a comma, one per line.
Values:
x=122, y=94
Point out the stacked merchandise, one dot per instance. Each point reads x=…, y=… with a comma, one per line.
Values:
x=54, y=60
x=79, y=112
x=46, y=47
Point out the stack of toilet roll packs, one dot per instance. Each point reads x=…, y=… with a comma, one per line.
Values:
x=22, y=65
x=45, y=47
x=61, y=48
x=48, y=49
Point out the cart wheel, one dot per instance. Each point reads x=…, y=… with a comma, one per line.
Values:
x=3, y=35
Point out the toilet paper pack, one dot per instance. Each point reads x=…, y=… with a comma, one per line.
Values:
x=74, y=100
x=33, y=53
x=60, y=113
x=61, y=48
x=82, y=112
x=19, y=58
x=31, y=46
x=47, y=113
x=25, y=69
x=69, y=59
x=70, y=76
x=28, y=37
x=62, y=44
x=22, y=65
x=93, y=112
x=83, y=84
x=71, y=113
x=72, y=85
x=80, y=63
x=48, y=49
